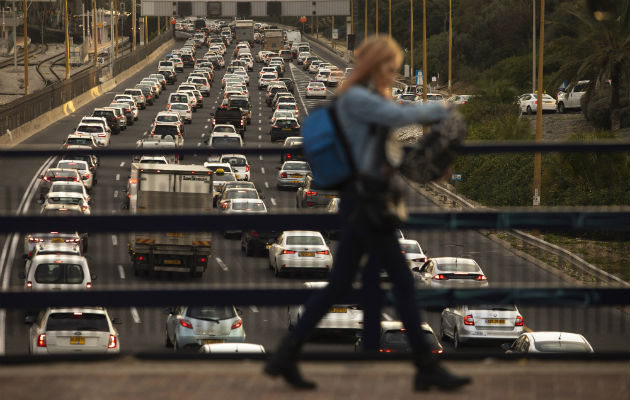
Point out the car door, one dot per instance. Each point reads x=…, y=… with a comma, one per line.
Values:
x=448, y=321
x=172, y=320
x=275, y=249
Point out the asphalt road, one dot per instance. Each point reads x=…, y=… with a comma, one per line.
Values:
x=143, y=329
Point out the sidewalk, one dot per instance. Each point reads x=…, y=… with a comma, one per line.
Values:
x=128, y=378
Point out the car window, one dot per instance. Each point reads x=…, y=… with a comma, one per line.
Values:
x=248, y=206
x=304, y=240
x=211, y=312
x=235, y=161
x=77, y=321
x=224, y=178
x=459, y=267
x=410, y=248
x=506, y=307
x=64, y=200
x=241, y=194
x=166, y=130
x=225, y=141
x=50, y=273
x=62, y=187
x=561, y=346
x=297, y=166
x=71, y=165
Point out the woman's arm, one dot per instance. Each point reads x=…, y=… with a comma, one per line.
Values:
x=361, y=103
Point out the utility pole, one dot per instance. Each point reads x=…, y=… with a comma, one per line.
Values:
x=376, y=18
x=67, y=39
x=365, y=33
x=538, y=156
x=332, y=32
x=390, y=19
x=116, y=27
x=450, y=48
x=14, y=37
x=533, y=46
x=411, y=42
x=94, y=28
x=146, y=31
x=25, y=47
x=111, y=37
x=133, y=25
x=424, y=51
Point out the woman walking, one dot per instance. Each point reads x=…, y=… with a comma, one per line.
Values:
x=366, y=114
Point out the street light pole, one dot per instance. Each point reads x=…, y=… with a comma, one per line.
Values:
x=376, y=18
x=14, y=37
x=411, y=43
x=539, y=94
x=424, y=51
x=94, y=27
x=133, y=25
x=365, y=33
x=116, y=27
x=533, y=45
x=25, y=47
x=450, y=48
x=390, y=19
x=67, y=39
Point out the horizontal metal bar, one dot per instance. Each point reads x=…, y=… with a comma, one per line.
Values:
x=468, y=148
x=496, y=220
x=166, y=297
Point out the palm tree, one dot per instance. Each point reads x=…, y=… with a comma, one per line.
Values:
x=593, y=49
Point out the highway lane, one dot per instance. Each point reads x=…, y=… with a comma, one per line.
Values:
x=142, y=329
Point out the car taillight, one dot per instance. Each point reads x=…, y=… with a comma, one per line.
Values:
x=283, y=175
x=288, y=252
x=75, y=240
x=101, y=135
x=29, y=284
x=468, y=320
x=237, y=324
x=289, y=156
x=203, y=259
x=438, y=277
x=35, y=240
x=112, y=342
x=247, y=168
x=254, y=233
x=185, y=323
x=214, y=121
x=311, y=193
x=41, y=340
x=88, y=285
x=77, y=180
x=224, y=205
x=323, y=252
x=437, y=351
x=481, y=278
x=47, y=179
x=519, y=321
x=86, y=176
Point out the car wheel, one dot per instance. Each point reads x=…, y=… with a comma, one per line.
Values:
x=443, y=336
x=168, y=342
x=561, y=108
x=529, y=110
x=456, y=343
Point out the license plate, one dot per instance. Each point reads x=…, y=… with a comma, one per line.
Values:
x=77, y=340
x=57, y=240
x=286, y=129
x=339, y=310
x=172, y=262
x=174, y=234
x=307, y=254
x=296, y=176
x=495, y=321
x=212, y=341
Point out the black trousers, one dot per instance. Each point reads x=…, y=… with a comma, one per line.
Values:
x=358, y=238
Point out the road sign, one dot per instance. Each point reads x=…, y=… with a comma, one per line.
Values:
x=456, y=177
x=100, y=60
x=419, y=77
x=335, y=34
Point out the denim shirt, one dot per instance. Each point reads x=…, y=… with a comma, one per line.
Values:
x=360, y=109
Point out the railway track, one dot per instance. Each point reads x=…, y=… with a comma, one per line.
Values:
x=46, y=66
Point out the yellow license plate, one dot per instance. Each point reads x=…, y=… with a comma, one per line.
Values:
x=57, y=240
x=295, y=181
x=307, y=254
x=296, y=176
x=495, y=321
x=286, y=129
x=172, y=262
x=268, y=246
x=213, y=341
x=77, y=340
x=174, y=234
x=339, y=310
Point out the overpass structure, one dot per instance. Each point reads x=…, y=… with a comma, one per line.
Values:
x=245, y=8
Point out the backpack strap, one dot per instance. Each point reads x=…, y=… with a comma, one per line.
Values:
x=342, y=138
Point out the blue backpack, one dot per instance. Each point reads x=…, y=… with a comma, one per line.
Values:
x=326, y=148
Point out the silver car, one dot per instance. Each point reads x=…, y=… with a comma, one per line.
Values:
x=190, y=327
x=444, y=272
x=292, y=174
x=549, y=342
x=464, y=324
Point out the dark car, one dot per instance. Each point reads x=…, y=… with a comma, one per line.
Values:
x=312, y=195
x=188, y=60
x=293, y=147
x=289, y=83
x=169, y=76
x=254, y=243
x=394, y=339
x=242, y=103
x=283, y=128
x=110, y=117
x=147, y=92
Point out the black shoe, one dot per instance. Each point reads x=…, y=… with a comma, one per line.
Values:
x=290, y=372
x=440, y=378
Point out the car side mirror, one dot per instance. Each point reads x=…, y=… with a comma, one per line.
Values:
x=22, y=275
x=116, y=321
x=506, y=347
x=94, y=277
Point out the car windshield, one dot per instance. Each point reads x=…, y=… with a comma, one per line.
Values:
x=165, y=130
x=224, y=178
x=491, y=307
x=179, y=106
x=61, y=174
x=561, y=346
x=226, y=141
x=90, y=128
x=248, y=206
x=459, y=267
x=55, y=273
x=86, y=158
x=316, y=85
x=80, y=141
x=77, y=321
x=224, y=129
x=64, y=200
x=211, y=312
x=168, y=118
x=304, y=240
x=178, y=98
x=294, y=166
x=235, y=161
x=286, y=123
x=71, y=165
x=239, y=103
x=64, y=187
x=241, y=194
x=410, y=248
x=410, y=97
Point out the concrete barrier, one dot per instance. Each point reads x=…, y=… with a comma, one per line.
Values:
x=25, y=131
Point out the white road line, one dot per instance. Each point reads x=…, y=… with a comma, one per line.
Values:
x=221, y=263
x=208, y=119
x=122, y=164
x=260, y=121
x=203, y=135
x=117, y=177
x=254, y=308
x=259, y=128
x=121, y=271
x=266, y=185
x=260, y=156
x=115, y=194
x=273, y=202
x=260, y=115
x=262, y=169
x=135, y=315
x=114, y=240
x=205, y=127
x=199, y=144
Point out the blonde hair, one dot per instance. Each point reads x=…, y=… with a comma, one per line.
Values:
x=369, y=58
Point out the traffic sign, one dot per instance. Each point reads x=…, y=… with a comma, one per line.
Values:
x=456, y=177
x=335, y=34
x=419, y=77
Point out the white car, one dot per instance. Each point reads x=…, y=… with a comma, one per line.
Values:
x=69, y=187
x=316, y=89
x=183, y=109
x=304, y=251
x=443, y=272
x=178, y=63
x=335, y=78
x=280, y=114
x=528, y=103
x=239, y=164
x=73, y=330
x=549, y=342
x=473, y=323
x=322, y=75
x=412, y=251
x=225, y=139
x=459, y=99
x=169, y=117
x=435, y=98
x=82, y=167
x=66, y=202
x=97, y=131
x=572, y=99
x=339, y=318
x=265, y=79
x=58, y=272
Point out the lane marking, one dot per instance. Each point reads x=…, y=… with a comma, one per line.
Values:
x=205, y=127
x=262, y=169
x=121, y=271
x=221, y=263
x=260, y=128
x=114, y=240
x=135, y=315
x=266, y=185
x=117, y=177
x=260, y=156
x=199, y=144
x=253, y=308
x=122, y=164
x=273, y=202
x=115, y=194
